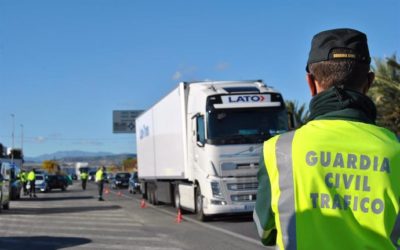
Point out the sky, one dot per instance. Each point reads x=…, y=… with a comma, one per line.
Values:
x=65, y=65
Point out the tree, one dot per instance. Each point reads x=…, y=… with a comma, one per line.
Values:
x=299, y=113
x=130, y=164
x=385, y=92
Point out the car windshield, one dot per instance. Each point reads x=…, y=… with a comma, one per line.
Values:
x=122, y=176
x=238, y=126
x=39, y=177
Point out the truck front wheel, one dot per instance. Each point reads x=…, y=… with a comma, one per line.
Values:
x=199, y=206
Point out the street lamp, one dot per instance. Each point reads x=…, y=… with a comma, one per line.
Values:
x=13, y=128
x=12, y=136
x=22, y=137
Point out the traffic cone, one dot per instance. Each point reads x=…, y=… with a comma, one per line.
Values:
x=106, y=191
x=143, y=203
x=179, y=216
x=119, y=193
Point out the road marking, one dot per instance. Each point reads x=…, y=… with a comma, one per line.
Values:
x=239, y=236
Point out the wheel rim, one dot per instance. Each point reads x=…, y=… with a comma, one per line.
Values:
x=199, y=203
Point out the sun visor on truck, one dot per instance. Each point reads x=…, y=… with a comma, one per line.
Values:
x=247, y=101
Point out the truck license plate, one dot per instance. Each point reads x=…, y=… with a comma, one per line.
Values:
x=249, y=207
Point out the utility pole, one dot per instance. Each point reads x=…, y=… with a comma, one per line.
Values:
x=12, y=136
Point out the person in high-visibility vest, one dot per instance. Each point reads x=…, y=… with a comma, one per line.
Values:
x=84, y=178
x=334, y=182
x=23, y=180
x=99, y=178
x=31, y=179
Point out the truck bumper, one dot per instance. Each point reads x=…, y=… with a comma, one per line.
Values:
x=211, y=209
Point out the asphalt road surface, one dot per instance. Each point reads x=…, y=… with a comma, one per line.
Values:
x=74, y=219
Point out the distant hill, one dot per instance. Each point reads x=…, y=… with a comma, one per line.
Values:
x=82, y=156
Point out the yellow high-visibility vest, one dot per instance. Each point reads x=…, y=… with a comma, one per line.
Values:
x=99, y=175
x=31, y=176
x=335, y=185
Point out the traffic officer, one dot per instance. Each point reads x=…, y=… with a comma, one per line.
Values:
x=23, y=180
x=84, y=178
x=31, y=179
x=99, y=178
x=333, y=183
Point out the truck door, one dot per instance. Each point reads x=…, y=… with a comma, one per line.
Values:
x=199, y=140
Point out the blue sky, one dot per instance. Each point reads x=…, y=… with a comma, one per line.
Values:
x=65, y=65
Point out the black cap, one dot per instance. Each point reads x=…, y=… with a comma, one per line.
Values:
x=339, y=44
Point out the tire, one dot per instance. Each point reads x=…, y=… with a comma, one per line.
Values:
x=199, y=206
x=6, y=206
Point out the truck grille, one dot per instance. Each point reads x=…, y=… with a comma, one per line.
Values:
x=242, y=186
x=243, y=197
x=227, y=166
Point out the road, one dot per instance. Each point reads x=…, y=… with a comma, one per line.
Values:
x=76, y=220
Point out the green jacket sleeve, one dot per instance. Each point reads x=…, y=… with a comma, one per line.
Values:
x=263, y=215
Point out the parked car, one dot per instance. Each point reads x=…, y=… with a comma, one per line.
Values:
x=5, y=171
x=134, y=183
x=120, y=180
x=92, y=175
x=41, y=182
x=57, y=182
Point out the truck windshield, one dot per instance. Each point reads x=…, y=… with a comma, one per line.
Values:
x=239, y=126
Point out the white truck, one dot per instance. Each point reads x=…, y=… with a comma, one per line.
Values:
x=198, y=148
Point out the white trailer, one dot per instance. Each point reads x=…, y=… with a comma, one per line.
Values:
x=198, y=147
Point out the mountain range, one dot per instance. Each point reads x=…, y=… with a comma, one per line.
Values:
x=77, y=155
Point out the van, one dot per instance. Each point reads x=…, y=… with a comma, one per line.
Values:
x=5, y=175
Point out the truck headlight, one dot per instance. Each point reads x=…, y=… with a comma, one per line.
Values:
x=216, y=190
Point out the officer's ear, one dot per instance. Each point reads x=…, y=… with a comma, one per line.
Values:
x=311, y=84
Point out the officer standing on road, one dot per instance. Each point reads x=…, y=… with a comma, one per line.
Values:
x=333, y=183
x=100, y=181
x=23, y=180
x=31, y=179
x=84, y=178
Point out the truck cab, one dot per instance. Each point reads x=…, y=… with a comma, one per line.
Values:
x=229, y=123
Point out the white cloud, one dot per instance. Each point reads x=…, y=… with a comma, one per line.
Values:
x=177, y=75
x=39, y=139
x=222, y=66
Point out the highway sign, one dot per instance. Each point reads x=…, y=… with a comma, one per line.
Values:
x=124, y=120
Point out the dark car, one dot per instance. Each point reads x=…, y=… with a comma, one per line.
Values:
x=92, y=175
x=120, y=180
x=134, y=185
x=57, y=182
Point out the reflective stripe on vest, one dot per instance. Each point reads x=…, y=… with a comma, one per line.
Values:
x=286, y=199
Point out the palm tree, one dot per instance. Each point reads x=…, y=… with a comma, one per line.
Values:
x=385, y=92
x=298, y=114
